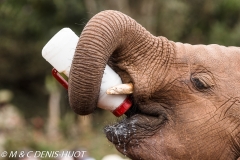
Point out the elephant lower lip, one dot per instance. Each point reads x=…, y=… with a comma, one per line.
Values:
x=120, y=132
x=130, y=130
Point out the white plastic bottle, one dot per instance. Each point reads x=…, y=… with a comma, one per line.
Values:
x=59, y=52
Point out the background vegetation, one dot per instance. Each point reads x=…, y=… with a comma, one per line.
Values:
x=27, y=25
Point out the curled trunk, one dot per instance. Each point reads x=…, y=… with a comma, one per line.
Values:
x=111, y=33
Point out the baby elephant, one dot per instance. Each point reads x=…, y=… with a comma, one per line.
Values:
x=186, y=97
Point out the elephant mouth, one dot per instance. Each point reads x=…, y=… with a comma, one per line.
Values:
x=135, y=127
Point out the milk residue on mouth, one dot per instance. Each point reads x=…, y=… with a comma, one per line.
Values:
x=121, y=132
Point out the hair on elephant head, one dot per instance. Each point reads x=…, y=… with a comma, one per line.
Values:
x=186, y=97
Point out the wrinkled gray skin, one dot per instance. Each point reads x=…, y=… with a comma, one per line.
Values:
x=186, y=97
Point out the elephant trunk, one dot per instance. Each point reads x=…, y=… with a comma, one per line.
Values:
x=107, y=33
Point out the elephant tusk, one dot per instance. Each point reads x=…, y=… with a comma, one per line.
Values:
x=121, y=89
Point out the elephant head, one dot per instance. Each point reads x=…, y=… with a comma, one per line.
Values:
x=186, y=97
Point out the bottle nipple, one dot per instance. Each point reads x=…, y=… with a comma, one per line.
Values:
x=59, y=52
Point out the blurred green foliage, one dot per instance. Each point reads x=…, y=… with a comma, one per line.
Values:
x=25, y=28
x=27, y=25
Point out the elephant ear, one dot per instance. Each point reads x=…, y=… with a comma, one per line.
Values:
x=110, y=34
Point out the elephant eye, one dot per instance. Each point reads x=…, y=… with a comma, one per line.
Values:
x=202, y=82
x=199, y=84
